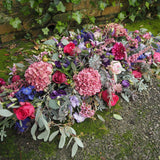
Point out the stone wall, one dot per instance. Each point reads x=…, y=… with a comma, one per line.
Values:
x=8, y=33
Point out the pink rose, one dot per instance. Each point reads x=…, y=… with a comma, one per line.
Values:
x=16, y=78
x=69, y=48
x=156, y=57
x=105, y=97
x=26, y=110
x=59, y=77
x=116, y=67
x=137, y=74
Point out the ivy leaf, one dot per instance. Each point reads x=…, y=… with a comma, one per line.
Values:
x=147, y=5
x=61, y=7
x=102, y=5
x=100, y=117
x=132, y=2
x=45, y=31
x=5, y=113
x=79, y=142
x=132, y=17
x=53, y=135
x=92, y=19
x=60, y=26
x=117, y=116
x=122, y=16
x=74, y=149
x=77, y=16
x=15, y=22
x=75, y=1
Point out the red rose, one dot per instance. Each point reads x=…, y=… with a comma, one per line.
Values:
x=106, y=98
x=16, y=78
x=26, y=110
x=2, y=82
x=59, y=77
x=137, y=74
x=69, y=48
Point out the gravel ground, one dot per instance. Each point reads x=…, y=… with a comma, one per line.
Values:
x=136, y=137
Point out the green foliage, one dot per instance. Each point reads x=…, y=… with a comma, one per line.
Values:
x=15, y=22
x=77, y=16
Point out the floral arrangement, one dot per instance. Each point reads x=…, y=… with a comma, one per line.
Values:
x=74, y=76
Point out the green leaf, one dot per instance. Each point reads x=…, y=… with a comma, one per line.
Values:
x=50, y=42
x=122, y=16
x=5, y=113
x=132, y=17
x=102, y=5
x=117, y=116
x=15, y=22
x=132, y=2
x=60, y=26
x=75, y=1
x=79, y=142
x=53, y=135
x=92, y=19
x=45, y=31
x=74, y=149
x=65, y=42
x=53, y=104
x=44, y=135
x=147, y=5
x=55, y=57
x=33, y=131
x=100, y=117
x=77, y=16
x=62, y=141
x=74, y=68
x=61, y=7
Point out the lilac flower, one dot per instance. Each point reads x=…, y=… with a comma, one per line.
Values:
x=57, y=93
x=82, y=46
x=125, y=83
x=74, y=101
x=75, y=42
x=78, y=117
x=138, y=38
x=24, y=126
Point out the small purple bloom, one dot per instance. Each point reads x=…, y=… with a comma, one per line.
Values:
x=57, y=93
x=78, y=117
x=58, y=64
x=74, y=101
x=75, y=42
x=125, y=83
x=24, y=126
x=66, y=64
x=138, y=38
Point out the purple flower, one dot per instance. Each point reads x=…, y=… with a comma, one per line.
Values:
x=75, y=42
x=138, y=38
x=78, y=117
x=22, y=127
x=58, y=64
x=141, y=57
x=66, y=64
x=74, y=101
x=125, y=83
x=57, y=93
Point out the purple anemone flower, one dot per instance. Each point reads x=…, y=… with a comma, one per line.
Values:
x=57, y=93
x=74, y=101
x=125, y=83
x=58, y=64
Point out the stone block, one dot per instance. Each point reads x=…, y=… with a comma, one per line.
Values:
x=6, y=28
x=7, y=37
x=111, y=10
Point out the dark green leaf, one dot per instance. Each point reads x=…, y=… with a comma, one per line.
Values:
x=75, y=1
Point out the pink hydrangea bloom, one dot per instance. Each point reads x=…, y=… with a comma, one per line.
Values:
x=86, y=111
x=118, y=51
x=38, y=75
x=117, y=88
x=87, y=82
x=156, y=57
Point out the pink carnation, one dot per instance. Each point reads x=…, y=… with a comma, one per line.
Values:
x=87, y=82
x=118, y=51
x=38, y=75
x=86, y=111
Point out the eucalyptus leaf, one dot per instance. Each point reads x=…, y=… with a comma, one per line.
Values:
x=73, y=131
x=69, y=142
x=44, y=135
x=20, y=65
x=53, y=104
x=65, y=42
x=53, y=135
x=62, y=141
x=50, y=42
x=117, y=116
x=74, y=149
x=79, y=142
x=5, y=113
x=125, y=97
x=33, y=131
x=55, y=57
x=100, y=117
